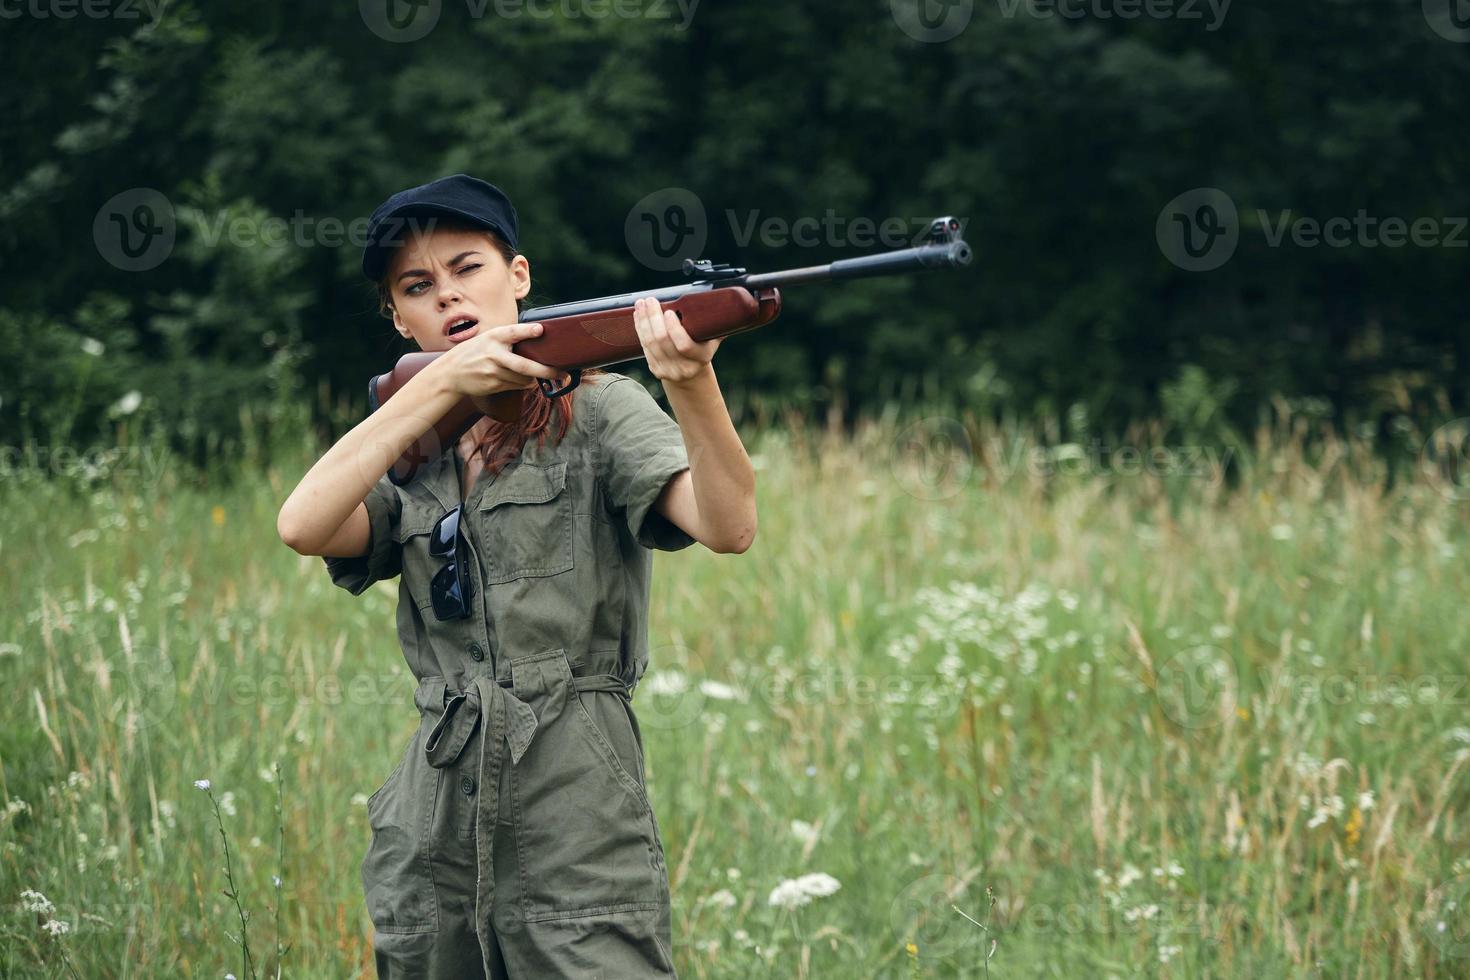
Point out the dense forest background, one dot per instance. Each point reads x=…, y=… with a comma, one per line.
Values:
x=1139, y=183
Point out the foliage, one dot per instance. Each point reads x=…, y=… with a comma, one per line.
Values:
x=1058, y=139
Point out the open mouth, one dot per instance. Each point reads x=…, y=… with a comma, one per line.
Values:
x=460, y=326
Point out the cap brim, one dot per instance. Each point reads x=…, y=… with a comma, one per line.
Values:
x=388, y=232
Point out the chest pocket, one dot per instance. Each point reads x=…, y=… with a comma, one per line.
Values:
x=419, y=515
x=526, y=523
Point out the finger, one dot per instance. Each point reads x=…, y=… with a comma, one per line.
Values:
x=683, y=343
x=509, y=333
x=526, y=366
x=640, y=322
x=656, y=320
x=658, y=337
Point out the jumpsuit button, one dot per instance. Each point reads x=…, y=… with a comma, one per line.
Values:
x=477, y=652
x=467, y=784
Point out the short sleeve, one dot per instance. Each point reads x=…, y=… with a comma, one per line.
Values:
x=639, y=449
x=384, y=556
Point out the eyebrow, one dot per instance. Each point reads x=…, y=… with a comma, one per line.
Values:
x=424, y=272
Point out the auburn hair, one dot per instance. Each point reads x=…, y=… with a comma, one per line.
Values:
x=503, y=441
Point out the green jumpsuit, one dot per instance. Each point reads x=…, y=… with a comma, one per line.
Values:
x=515, y=837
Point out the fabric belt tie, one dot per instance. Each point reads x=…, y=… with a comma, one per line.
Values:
x=462, y=712
x=512, y=718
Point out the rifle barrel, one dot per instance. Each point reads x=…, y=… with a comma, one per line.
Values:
x=950, y=255
x=942, y=255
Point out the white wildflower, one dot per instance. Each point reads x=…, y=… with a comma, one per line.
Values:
x=127, y=404
x=804, y=832
x=1365, y=800
x=794, y=892
x=723, y=898
x=1140, y=912
x=57, y=927
x=34, y=901
x=666, y=682
x=718, y=691
x=201, y=784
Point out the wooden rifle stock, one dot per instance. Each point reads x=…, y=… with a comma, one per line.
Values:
x=571, y=343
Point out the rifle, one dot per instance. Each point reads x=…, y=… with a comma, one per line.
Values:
x=594, y=333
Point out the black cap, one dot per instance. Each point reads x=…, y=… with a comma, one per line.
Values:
x=460, y=196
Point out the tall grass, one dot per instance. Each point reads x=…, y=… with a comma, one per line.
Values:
x=970, y=704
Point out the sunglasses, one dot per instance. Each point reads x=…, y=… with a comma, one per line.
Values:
x=451, y=587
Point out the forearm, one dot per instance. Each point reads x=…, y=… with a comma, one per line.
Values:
x=720, y=471
x=339, y=481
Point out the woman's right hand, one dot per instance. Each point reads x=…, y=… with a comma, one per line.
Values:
x=486, y=365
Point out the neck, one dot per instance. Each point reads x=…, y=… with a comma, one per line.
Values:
x=471, y=439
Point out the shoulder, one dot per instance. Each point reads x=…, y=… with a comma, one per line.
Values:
x=613, y=393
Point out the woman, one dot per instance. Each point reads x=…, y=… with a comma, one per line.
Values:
x=515, y=837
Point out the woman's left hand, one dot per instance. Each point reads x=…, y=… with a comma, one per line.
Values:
x=673, y=355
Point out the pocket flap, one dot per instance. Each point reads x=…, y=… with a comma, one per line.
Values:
x=417, y=517
x=528, y=483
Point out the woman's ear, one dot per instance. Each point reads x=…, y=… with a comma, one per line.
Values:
x=398, y=325
x=520, y=268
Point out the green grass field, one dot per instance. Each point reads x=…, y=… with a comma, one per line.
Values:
x=1081, y=719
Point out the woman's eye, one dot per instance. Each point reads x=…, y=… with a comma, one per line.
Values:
x=414, y=289
x=470, y=268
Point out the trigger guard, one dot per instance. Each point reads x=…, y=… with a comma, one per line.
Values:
x=550, y=391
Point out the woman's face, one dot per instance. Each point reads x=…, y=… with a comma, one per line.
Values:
x=443, y=277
